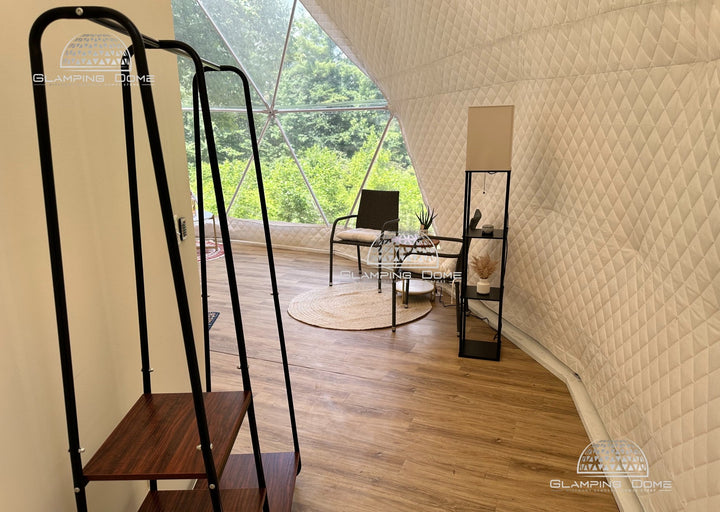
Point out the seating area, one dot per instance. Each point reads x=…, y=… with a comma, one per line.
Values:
x=376, y=215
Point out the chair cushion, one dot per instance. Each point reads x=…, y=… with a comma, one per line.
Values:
x=359, y=235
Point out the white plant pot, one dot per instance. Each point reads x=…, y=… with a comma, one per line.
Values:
x=483, y=286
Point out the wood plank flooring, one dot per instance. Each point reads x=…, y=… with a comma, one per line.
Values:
x=396, y=421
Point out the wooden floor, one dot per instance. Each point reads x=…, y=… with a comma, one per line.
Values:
x=396, y=421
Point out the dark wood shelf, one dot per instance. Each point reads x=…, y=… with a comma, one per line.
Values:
x=477, y=233
x=471, y=293
x=479, y=349
x=280, y=471
x=233, y=500
x=158, y=438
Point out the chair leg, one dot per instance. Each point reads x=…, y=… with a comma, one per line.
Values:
x=358, y=256
x=459, y=307
x=379, y=269
x=331, y=263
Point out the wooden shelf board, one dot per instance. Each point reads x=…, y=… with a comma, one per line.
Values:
x=158, y=438
x=280, y=471
x=471, y=293
x=233, y=500
x=497, y=234
x=478, y=349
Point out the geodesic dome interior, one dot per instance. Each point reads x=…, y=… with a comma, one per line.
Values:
x=613, y=263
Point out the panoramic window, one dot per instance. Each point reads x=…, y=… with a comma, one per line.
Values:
x=324, y=128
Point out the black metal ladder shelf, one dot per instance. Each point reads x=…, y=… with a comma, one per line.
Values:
x=131, y=450
x=475, y=344
x=281, y=468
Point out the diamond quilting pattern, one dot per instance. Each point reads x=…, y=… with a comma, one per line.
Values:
x=615, y=197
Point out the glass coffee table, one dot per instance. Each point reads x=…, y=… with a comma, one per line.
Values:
x=418, y=250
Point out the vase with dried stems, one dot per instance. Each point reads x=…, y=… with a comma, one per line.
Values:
x=484, y=266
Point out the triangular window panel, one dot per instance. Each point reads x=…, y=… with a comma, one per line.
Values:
x=288, y=197
x=255, y=32
x=335, y=150
x=193, y=27
x=318, y=74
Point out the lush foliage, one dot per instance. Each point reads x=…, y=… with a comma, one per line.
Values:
x=334, y=149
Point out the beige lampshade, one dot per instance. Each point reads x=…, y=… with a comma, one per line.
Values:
x=489, y=138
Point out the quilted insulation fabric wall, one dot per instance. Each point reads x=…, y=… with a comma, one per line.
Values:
x=614, y=261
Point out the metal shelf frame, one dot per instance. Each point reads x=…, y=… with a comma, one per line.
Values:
x=140, y=43
x=482, y=349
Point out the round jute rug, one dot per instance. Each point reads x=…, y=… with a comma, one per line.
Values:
x=355, y=306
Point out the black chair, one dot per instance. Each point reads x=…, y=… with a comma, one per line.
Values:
x=377, y=214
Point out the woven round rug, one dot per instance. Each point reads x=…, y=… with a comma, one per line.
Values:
x=355, y=306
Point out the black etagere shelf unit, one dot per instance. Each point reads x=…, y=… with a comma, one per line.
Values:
x=482, y=343
x=158, y=438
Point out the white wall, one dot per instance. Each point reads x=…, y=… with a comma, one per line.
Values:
x=88, y=145
x=615, y=193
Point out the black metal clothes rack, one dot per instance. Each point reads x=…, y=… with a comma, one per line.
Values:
x=285, y=465
x=474, y=347
x=136, y=436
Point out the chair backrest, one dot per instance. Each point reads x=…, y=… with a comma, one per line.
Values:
x=377, y=207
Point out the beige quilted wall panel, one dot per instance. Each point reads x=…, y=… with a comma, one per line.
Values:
x=614, y=260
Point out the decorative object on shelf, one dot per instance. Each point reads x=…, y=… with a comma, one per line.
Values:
x=484, y=266
x=487, y=229
x=426, y=218
x=475, y=219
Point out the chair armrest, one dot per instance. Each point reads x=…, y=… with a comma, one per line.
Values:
x=448, y=239
x=345, y=217
x=384, y=226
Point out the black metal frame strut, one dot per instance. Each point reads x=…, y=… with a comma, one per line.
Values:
x=116, y=21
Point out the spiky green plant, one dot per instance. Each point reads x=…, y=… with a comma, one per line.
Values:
x=426, y=216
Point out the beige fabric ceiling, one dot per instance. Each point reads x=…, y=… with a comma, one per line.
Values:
x=614, y=261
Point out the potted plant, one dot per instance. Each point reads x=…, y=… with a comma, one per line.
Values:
x=484, y=266
x=426, y=218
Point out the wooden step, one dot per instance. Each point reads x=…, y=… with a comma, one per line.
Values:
x=233, y=500
x=280, y=471
x=158, y=438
